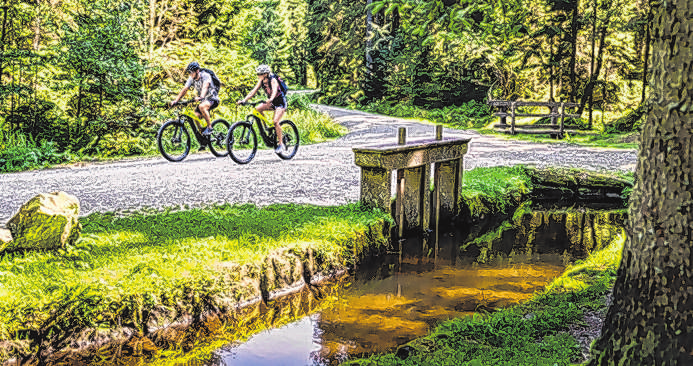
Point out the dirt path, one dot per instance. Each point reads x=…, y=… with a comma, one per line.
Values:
x=322, y=174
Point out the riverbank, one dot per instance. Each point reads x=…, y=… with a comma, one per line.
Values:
x=558, y=324
x=138, y=284
x=555, y=327
x=141, y=283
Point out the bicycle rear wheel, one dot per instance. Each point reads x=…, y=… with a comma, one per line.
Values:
x=173, y=140
x=217, y=140
x=241, y=142
x=290, y=139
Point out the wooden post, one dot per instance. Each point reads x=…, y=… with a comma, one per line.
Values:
x=512, y=118
x=562, y=118
x=400, y=201
x=553, y=113
x=439, y=132
x=402, y=136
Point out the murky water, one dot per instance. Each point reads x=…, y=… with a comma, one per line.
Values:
x=394, y=302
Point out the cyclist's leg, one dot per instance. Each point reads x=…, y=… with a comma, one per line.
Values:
x=279, y=110
x=204, y=108
x=264, y=107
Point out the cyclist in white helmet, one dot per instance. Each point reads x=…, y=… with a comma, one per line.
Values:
x=276, y=100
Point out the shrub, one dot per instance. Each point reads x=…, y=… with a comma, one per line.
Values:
x=18, y=152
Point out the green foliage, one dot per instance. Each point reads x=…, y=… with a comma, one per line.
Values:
x=17, y=153
x=313, y=126
x=494, y=190
x=471, y=114
x=631, y=121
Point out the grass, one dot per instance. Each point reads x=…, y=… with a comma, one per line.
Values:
x=594, y=139
x=533, y=333
x=18, y=152
x=478, y=116
x=123, y=267
x=494, y=190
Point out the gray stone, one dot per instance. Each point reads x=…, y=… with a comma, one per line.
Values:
x=47, y=221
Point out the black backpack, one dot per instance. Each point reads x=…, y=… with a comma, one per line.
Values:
x=215, y=79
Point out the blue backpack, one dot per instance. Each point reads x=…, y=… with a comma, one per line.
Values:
x=282, y=85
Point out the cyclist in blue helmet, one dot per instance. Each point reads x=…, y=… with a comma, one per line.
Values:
x=207, y=93
x=276, y=100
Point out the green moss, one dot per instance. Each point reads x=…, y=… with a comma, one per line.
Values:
x=487, y=191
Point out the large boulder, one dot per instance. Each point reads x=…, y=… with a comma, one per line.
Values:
x=47, y=221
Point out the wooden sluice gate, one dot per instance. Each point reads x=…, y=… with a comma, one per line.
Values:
x=415, y=164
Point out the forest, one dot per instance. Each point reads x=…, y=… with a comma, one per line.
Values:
x=90, y=78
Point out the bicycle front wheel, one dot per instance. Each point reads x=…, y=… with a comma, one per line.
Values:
x=217, y=140
x=290, y=139
x=173, y=140
x=241, y=142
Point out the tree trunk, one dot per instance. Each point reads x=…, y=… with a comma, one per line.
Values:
x=651, y=319
x=593, y=37
x=646, y=57
x=573, y=52
x=369, y=26
x=589, y=89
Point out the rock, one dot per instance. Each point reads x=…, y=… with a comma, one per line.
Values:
x=47, y=221
x=5, y=239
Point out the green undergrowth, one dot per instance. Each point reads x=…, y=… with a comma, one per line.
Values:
x=122, y=267
x=479, y=116
x=625, y=140
x=494, y=190
x=472, y=114
x=18, y=152
x=533, y=333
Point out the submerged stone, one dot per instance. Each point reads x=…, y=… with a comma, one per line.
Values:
x=47, y=221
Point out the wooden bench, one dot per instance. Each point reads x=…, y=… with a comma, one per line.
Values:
x=508, y=108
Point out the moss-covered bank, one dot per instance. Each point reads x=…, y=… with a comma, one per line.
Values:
x=499, y=208
x=139, y=284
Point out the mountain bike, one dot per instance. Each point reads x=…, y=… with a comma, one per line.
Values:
x=241, y=141
x=173, y=137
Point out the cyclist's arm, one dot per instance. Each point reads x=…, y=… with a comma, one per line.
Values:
x=252, y=92
x=180, y=94
x=275, y=90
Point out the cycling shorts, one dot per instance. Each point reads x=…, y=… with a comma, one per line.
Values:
x=213, y=100
x=279, y=102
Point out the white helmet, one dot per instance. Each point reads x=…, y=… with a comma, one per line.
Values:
x=263, y=69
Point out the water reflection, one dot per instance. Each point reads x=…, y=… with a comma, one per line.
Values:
x=397, y=300
x=292, y=344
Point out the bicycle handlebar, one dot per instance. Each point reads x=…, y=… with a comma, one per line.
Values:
x=183, y=102
x=252, y=103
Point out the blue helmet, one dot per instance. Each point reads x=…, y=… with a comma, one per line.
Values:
x=193, y=66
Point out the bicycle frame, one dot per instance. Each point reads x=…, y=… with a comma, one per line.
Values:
x=193, y=121
x=267, y=133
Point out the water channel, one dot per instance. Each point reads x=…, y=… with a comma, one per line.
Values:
x=390, y=302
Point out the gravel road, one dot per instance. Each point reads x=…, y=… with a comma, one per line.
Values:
x=322, y=174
